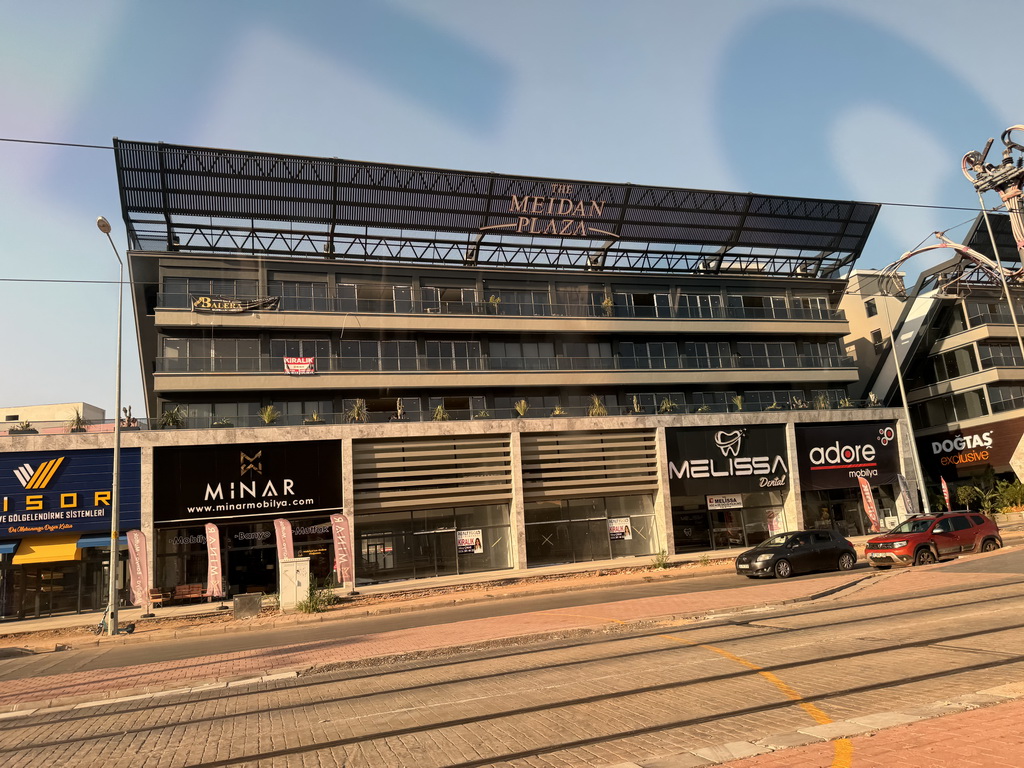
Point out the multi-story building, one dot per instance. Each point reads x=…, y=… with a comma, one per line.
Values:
x=550, y=370
x=960, y=355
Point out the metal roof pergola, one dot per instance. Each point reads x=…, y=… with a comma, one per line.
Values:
x=215, y=201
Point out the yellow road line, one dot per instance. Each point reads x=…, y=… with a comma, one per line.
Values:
x=843, y=754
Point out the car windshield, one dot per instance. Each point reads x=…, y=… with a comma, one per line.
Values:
x=775, y=541
x=913, y=526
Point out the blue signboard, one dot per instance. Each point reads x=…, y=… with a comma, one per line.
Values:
x=66, y=492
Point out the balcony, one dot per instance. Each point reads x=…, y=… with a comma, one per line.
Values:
x=264, y=365
x=327, y=305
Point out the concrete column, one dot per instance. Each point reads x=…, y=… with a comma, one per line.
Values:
x=516, y=512
x=792, y=504
x=348, y=492
x=663, y=498
x=146, y=509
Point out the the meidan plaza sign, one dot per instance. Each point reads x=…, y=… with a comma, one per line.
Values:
x=557, y=214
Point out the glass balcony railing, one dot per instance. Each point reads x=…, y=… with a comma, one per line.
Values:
x=221, y=421
x=536, y=308
x=429, y=364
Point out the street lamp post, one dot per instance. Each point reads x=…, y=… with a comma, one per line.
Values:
x=115, y=491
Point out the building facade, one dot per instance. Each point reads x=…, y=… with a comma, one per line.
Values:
x=487, y=372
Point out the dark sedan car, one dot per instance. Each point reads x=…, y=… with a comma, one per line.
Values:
x=797, y=552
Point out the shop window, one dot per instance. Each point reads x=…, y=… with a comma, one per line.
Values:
x=582, y=530
x=300, y=296
x=699, y=305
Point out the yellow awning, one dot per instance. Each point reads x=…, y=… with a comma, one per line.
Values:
x=47, y=549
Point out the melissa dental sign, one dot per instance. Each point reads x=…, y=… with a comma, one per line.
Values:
x=719, y=461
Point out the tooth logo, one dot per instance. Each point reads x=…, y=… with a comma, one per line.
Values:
x=729, y=442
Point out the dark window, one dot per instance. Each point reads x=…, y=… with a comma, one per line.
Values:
x=876, y=339
x=870, y=308
x=978, y=519
x=959, y=523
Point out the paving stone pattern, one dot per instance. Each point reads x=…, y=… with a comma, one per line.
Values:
x=673, y=694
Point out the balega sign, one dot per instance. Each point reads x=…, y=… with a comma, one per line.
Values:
x=837, y=455
x=715, y=461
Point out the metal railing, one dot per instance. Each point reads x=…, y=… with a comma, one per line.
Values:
x=495, y=364
x=334, y=305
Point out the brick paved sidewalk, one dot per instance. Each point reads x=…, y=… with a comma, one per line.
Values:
x=990, y=737
x=73, y=687
x=98, y=684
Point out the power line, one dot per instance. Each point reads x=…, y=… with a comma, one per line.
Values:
x=103, y=146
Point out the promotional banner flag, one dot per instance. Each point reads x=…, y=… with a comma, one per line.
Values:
x=214, y=570
x=138, y=568
x=283, y=529
x=344, y=565
x=869, y=503
x=908, y=499
x=945, y=494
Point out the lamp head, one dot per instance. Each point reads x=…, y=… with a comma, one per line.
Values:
x=103, y=224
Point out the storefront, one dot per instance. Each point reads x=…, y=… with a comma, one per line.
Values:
x=727, y=485
x=581, y=530
x=832, y=459
x=55, y=529
x=416, y=544
x=243, y=488
x=970, y=452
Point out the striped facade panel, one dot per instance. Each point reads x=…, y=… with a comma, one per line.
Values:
x=419, y=473
x=563, y=465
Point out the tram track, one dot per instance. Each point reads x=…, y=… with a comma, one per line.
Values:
x=782, y=668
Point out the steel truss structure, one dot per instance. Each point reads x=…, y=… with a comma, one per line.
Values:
x=201, y=200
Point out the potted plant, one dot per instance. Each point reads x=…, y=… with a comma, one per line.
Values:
x=873, y=401
x=483, y=413
x=77, y=423
x=558, y=410
x=667, y=405
x=313, y=419
x=223, y=423
x=399, y=409
x=822, y=403
x=358, y=413
x=737, y=402
x=799, y=404
x=521, y=407
x=495, y=303
x=635, y=408
x=269, y=414
x=703, y=408
x=596, y=407
x=23, y=428
x=608, y=305
x=173, y=419
x=440, y=414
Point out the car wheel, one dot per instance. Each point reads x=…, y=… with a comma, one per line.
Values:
x=783, y=569
x=924, y=556
x=846, y=561
x=990, y=545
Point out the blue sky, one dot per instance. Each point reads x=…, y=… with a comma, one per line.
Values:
x=872, y=101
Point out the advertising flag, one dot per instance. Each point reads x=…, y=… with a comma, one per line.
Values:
x=945, y=494
x=344, y=565
x=869, y=503
x=908, y=499
x=138, y=568
x=283, y=529
x=214, y=568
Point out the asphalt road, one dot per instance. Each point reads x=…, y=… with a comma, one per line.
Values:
x=637, y=696
x=109, y=656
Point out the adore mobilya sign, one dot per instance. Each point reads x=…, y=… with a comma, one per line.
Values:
x=716, y=461
x=837, y=455
x=66, y=492
x=211, y=482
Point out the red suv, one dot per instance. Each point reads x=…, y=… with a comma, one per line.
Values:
x=926, y=538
